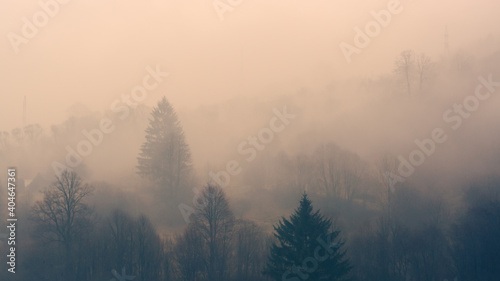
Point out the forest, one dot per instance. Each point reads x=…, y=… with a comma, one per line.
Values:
x=289, y=188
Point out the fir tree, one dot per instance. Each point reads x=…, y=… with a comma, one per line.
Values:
x=307, y=248
x=165, y=157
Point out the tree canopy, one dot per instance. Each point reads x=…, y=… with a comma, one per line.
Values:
x=165, y=156
x=307, y=247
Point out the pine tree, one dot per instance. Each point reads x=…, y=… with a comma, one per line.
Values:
x=165, y=157
x=307, y=248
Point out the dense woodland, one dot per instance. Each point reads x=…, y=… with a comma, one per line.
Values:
x=141, y=203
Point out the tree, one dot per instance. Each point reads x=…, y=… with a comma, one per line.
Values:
x=424, y=65
x=307, y=247
x=339, y=173
x=190, y=255
x=250, y=251
x=475, y=243
x=149, y=250
x=62, y=216
x=404, y=66
x=32, y=132
x=165, y=157
x=120, y=235
x=214, y=221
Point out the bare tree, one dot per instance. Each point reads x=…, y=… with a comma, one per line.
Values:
x=387, y=176
x=250, y=251
x=339, y=173
x=135, y=245
x=215, y=221
x=62, y=216
x=4, y=140
x=462, y=61
x=120, y=228
x=302, y=173
x=149, y=250
x=190, y=255
x=424, y=65
x=328, y=177
x=405, y=65
x=32, y=132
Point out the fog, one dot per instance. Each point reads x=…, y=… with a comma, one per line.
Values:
x=86, y=52
x=231, y=75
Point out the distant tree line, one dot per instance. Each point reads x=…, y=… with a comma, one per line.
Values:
x=396, y=234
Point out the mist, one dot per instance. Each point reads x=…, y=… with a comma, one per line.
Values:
x=384, y=113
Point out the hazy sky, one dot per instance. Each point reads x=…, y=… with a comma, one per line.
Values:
x=94, y=51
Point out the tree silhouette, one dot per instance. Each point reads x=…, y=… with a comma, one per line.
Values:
x=423, y=64
x=62, y=216
x=405, y=64
x=190, y=255
x=165, y=157
x=250, y=250
x=214, y=220
x=307, y=248
x=476, y=244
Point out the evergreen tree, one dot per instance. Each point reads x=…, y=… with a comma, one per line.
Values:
x=165, y=157
x=307, y=248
